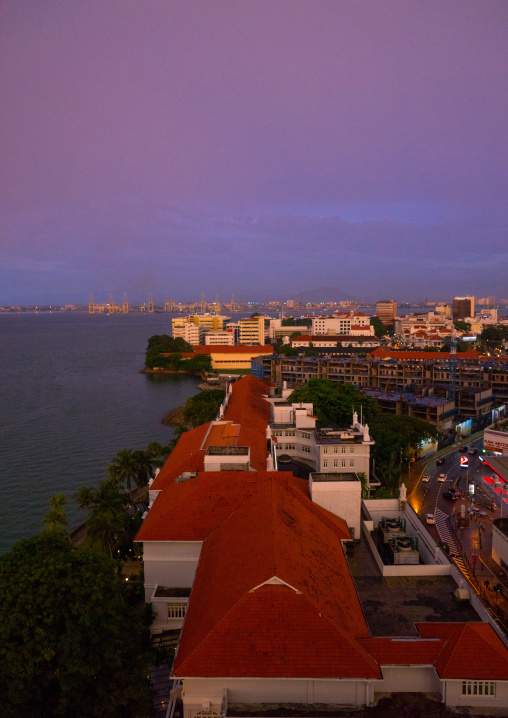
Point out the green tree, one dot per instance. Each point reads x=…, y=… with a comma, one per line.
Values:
x=287, y=350
x=203, y=407
x=55, y=520
x=70, y=644
x=380, y=329
x=108, y=520
x=124, y=469
x=462, y=326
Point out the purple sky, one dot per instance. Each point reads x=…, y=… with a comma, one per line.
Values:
x=254, y=147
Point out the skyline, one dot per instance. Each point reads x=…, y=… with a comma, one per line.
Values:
x=253, y=149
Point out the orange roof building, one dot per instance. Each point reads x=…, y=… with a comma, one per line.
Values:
x=254, y=573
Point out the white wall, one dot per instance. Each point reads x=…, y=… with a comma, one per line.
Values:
x=342, y=498
x=409, y=679
x=274, y=690
x=170, y=563
x=454, y=697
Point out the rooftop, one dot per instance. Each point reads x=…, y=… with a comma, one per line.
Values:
x=393, y=606
x=322, y=477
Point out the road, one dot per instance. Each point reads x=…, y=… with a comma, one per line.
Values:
x=468, y=537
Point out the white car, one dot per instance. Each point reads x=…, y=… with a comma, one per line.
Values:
x=426, y=478
x=441, y=477
x=429, y=519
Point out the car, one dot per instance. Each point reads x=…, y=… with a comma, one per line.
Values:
x=451, y=495
x=440, y=462
x=426, y=478
x=429, y=519
x=463, y=449
x=441, y=478
x=446, y=548
x=472, y=451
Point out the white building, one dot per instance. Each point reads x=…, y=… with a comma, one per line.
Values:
x=253, y=569
x=342, y=323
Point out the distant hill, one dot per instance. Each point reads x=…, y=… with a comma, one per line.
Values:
x=323, y=294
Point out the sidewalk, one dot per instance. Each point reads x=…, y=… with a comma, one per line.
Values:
x=484, y=573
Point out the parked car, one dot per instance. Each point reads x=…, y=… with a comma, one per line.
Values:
x=441, y=478
x=429, y=519
x=426, y=478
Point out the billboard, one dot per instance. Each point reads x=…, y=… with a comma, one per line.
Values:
x=496, y=441
x=464, y=462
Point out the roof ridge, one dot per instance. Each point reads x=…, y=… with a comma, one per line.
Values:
x=347, y=636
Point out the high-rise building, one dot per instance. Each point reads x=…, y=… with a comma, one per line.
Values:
x=252, y=330
x=463, y=307
x=386, y=310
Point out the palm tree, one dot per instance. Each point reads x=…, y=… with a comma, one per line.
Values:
x=55, y=520
x=84, y=497
x=124, y=469
x=107, y=516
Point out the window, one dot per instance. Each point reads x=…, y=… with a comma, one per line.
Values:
x=351, y=462
x=290, y=433
x=177, y=610
x=305, y=435
x=306, y=449
x=325, y=463
x=478, y=688
x=335, y=450
x=343, y=462
x=351, y=449
x=325, y=449
x=277, y=432
x=290, y=447
x=335, y=463
x=343, y=449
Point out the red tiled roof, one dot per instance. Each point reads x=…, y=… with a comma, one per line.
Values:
x=248, y=407
x=307, y=625
x=472, y=651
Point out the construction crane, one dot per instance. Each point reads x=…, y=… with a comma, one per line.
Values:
x=125, y=305
x=91, y=305
x=150, y=303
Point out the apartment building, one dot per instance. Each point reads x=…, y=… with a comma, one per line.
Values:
x=342, y=323
x=329, y=341
x=386, y=310
x=463, y=307
x=252, y=330
x=207, y=321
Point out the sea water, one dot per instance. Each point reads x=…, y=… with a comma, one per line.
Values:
x=71, y=397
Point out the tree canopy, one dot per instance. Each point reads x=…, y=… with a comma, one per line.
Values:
x=202, y=407
x=397, y=437
x=162, y=344
x=70, y=643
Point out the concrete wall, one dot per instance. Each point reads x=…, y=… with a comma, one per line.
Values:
x=452, y=691
x=258, y=691
x=408, y=679
x=170, y=563
x=342, y=498
x=436, y=562
x=499, y=545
